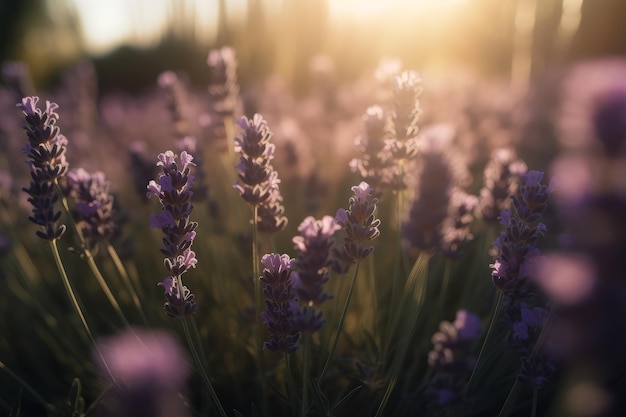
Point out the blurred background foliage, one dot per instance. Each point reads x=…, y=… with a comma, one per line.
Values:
x=511, y=38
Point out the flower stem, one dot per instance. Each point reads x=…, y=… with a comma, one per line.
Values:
x=127, y=281
x=31, y=391
x=341, y=320
x=535, y=401
x=90, y=260
x=203, y=373
x=492, y=321
x=305, y=374
x=75, y=303
x=258, y=302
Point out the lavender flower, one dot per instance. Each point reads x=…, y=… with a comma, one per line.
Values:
x=456, y=226
x=516, y=245
x=375, y=164
x=258, y=181
x=501, y=179
x=94, y=212
x=141, y=167
x=313, y=246
x=279, y=303
x=406, y=111
x=224, y=89
x=151, y=371
x=177, y=101
x=200, y=187
x=46, y=157
x=359, y=222
x=173, y=189
x=434, y=219
x=451, y=358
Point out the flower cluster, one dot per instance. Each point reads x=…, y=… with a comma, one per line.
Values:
x=501, y=179
x=536, y=367
x=46, y=157
x=439, y=213
x=94, y=212
x=258, y=181
x=224, y=89
x=279, y=303
x=173, y=189
x=516, y=245
x=359, y=222
x=375, y=163
x=177, y=101
x=452, y=359
x=313, y=246
x=404, y=116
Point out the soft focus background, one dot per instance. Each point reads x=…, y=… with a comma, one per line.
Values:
x=516, y=39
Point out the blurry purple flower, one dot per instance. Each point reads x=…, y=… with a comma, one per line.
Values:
x=375, y=164
x=46, y=157
x=151, y=370
x=593, y=108
x=95, y=210
x=532, y=320
x=516, y=245
x=566, y=279
x=359, y=222
x=141, y=167
x=223, y=88
x=434, y=220
x=279, y=303
x=452, y=357
x=501, y=179
x=313, y=246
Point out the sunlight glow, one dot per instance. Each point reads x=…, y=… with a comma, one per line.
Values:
x=107, y=25
x=368, y=9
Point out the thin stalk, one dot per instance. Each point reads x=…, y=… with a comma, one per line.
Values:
x=305, y=374
x=415, y=287
x=259, y=306
x=291, y=391
x=31, y=391
x=444, y=286
x=509, y=401
x=90, y=260
x=533, y=412
x=398, y=267
x=341, y=320
x=203, y=373
x=492, y=321
x=74, y=300
x=97, y=401
x=127, y=281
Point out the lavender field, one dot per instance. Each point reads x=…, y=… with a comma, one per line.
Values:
x=395, y=244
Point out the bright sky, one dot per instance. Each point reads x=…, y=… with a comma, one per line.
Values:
x=107, y=24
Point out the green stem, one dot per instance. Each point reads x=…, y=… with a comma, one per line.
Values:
x=74, y=300
x=305, y=374
x=30, y=389
x=90, y=260
x=341, y=320
x=535, y=401
x=416, y=288
x=509, y=401
x=127, y=281
x=259, y=306
x=291, y=391
x=203, y=373
x=492, y=321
